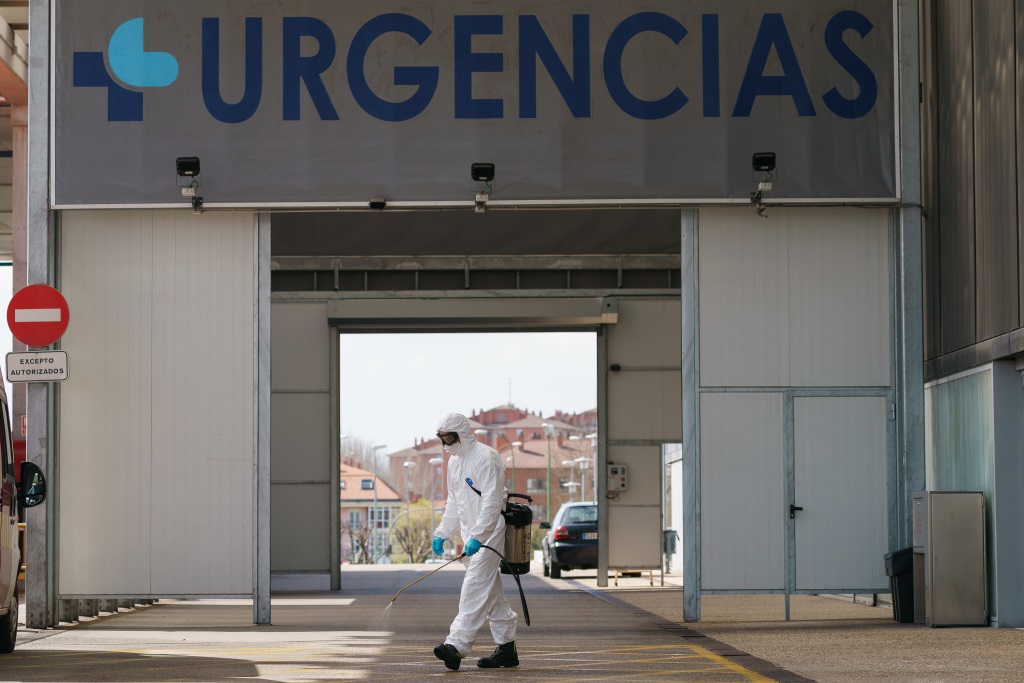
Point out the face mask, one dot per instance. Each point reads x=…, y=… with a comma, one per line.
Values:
x=455, y=449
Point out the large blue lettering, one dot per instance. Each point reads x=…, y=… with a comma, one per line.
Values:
x=424, y=77
x=791, y=83
x=617, y=41
x=533, y=45
x=468, y=62
x=854, y=65
x=244, y=109
x=712, y=65
x=297, y=69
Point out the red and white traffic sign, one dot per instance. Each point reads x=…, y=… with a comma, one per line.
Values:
x=37, y=315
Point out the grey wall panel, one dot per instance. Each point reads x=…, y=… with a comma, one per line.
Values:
x=645, y=405
x=300, y=437
x=798, y=299
x=155, y=485
x=839, y=298
x=741, y=492
x=645, y=396
x=299, y=515
x=995, y=122
x=301, y=344
x=840, y=465
x=744, y=298
x=956, y=181
x=636, y=514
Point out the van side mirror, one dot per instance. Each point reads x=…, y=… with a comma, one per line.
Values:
x=31, y=486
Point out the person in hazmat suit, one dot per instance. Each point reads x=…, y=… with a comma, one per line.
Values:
x=476, y=497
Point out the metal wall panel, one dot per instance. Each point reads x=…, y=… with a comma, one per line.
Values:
x=930, y=173
x=637, y=510
x=741, y=492
x=955, y=215
x=995, y=182
x=744, y=298
x=643, y=400
x=839, y=277
x=798, y=299
x=645, y=395
x=1019, y=147
x=300, y=438
x=840, y=446
x=158, y=413
x=299, y=528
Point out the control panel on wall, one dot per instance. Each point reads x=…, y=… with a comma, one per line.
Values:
x=618, y=479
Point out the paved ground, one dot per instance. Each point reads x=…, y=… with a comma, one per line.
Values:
x=831, y=640
x=578, y=633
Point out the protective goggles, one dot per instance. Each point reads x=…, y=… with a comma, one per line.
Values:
x=448, y=438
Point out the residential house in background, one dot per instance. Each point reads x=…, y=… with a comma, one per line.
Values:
x=358, y=490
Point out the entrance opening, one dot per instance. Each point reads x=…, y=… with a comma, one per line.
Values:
x=532, y=396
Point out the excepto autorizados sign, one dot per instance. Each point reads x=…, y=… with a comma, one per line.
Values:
x=37, y=366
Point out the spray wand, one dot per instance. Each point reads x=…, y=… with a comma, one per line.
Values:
x=428, y=574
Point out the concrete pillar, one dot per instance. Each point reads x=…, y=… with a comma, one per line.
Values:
x=107, y=605
x=68, y=610
x=88, y=608
x=40, y=580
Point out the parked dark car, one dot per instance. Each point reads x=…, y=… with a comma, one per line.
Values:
x=571, y=539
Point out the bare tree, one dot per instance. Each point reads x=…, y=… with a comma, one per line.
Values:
x=360, y=536
x=412, y=536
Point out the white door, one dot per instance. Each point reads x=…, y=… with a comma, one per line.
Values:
x=840, y=482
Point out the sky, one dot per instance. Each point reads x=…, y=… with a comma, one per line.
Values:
x=396, y=387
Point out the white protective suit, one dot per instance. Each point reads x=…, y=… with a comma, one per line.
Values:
x=477, y=516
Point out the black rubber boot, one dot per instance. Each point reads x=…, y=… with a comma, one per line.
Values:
x=503, y=656
x=449, y=655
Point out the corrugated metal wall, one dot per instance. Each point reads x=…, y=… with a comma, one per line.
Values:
x=973, y=250
x=156, y=446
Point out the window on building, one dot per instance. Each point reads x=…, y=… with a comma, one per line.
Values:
x=534, y=485
x=367, y=484
x=355, y=519
x=380, y=518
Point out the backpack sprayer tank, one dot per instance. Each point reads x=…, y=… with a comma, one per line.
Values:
x=518, y=535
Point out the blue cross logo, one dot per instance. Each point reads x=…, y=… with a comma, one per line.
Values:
x=131, y=65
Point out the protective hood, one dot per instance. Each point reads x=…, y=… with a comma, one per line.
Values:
x=456, y=422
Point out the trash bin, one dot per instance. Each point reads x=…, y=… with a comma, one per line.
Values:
x=899, y=567
x=668, y=541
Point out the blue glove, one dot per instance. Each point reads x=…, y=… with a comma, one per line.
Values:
x=438, y=545
x=472, y=547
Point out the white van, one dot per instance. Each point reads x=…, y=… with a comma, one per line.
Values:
x=28, y=492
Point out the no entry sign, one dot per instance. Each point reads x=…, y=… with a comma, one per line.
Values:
x=37, y=315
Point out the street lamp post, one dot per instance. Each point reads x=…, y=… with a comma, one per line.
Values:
x=548, y=431
x=512, y=459
x=436, y=460
x=408, y=464
x=583, y=460
x=373, y=511
x=571, y=464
